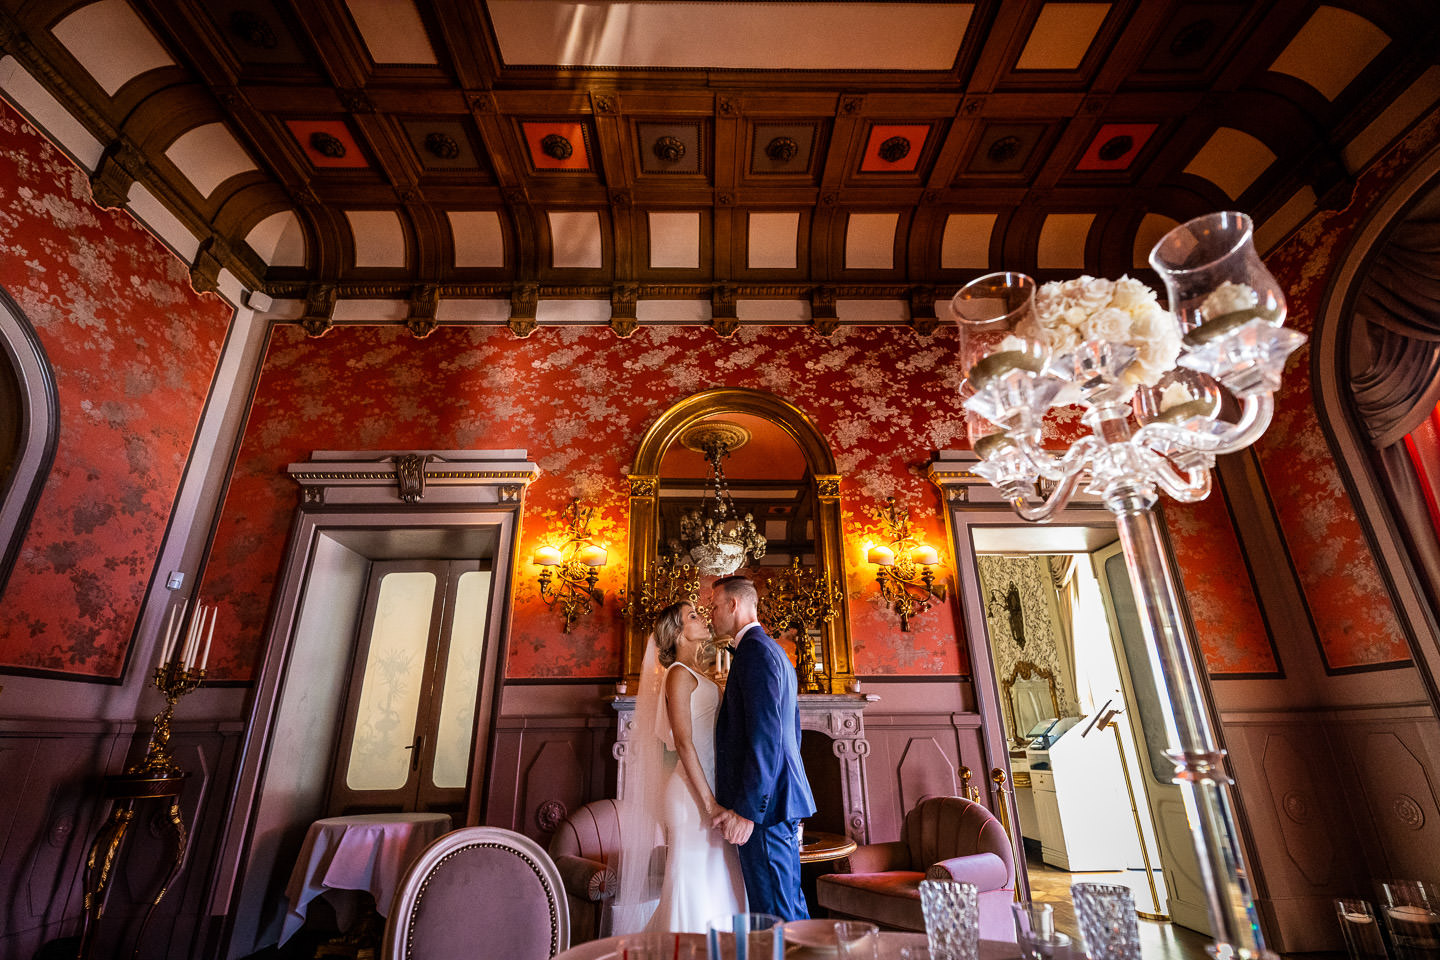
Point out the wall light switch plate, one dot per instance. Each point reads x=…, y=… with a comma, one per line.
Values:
x=176, y=580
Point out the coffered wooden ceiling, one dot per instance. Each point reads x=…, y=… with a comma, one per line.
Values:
x=804, y=162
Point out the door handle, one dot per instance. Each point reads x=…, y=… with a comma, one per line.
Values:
x=415, y=750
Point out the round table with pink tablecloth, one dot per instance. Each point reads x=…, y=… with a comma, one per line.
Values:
x=368, y=851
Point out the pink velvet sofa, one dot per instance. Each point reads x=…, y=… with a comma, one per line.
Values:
x=947, y=838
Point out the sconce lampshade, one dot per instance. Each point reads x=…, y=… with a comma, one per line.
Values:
x=926, y=555
x=592, y=555
x=547, y=557
x=880, y=556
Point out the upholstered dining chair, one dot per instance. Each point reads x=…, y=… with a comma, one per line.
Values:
x=479, y=893
x=944, y=838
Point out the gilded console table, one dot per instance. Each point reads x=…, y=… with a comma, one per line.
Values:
x=124, y=791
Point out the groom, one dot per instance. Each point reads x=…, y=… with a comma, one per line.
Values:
x=759, y=777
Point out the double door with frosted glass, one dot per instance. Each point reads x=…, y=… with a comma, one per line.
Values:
x=410, y=732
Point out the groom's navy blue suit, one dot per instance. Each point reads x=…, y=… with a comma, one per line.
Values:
x=759, y=774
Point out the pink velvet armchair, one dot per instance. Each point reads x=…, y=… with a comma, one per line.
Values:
x=944, y=838
x=585, y=847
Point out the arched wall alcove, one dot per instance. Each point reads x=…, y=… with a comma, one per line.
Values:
x=645, y=504
x=31, y=430
x=1361, y=463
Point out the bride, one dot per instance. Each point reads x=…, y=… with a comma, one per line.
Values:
x=669, y=781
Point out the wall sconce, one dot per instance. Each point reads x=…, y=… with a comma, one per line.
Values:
x=569, y=572
x=905, y=567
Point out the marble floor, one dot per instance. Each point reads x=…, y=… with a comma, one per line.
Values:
x=1158, y=941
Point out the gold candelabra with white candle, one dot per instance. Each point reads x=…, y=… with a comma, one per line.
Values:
x=181, y=669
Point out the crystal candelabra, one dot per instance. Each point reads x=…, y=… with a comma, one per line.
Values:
x=181, y=669
x=1155, y=386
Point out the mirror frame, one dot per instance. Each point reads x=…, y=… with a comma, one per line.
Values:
x=644, y=480
x=1025, y=670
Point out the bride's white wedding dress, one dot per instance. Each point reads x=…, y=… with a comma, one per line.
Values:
x=702, y=873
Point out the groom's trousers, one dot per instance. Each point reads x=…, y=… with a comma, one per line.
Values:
x=770, y=862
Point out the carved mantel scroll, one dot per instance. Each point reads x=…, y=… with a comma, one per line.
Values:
x=838, y=716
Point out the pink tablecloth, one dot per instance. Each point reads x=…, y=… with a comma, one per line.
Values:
x=364, y=852
x=693, y=944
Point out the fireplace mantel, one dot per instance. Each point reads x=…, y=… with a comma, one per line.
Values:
x=839, y=716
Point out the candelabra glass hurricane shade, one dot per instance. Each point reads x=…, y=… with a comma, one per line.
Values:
x=1229, y=306
x=1361, y=930
x=745, y=936
x=952, y=919
x=1107, y=921
x=1411, y=909
x=1003, y=351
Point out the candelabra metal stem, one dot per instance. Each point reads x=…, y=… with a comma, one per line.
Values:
x=1199, y=761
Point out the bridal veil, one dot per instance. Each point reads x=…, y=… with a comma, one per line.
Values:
x=646, y=767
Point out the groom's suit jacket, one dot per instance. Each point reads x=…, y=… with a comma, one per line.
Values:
x=758, y=771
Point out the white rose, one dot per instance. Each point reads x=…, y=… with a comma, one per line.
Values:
x=1130, y=294
x=1173, y=395
x=1013, y=342
x=1150, y=321
x=1158, y=353
x=1063, y=340
x=1108, y=324
x=1094, y=292
x=1228, y=298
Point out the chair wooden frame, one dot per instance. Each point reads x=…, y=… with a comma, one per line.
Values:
x=412, y=889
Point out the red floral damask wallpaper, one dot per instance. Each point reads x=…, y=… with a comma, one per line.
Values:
x=133, y=349
x=578, y=400
x=1347, y=597
x=1218, y=589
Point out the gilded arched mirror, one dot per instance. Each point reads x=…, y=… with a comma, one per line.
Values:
x=780, y=473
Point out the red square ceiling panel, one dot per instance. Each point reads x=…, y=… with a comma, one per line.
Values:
x=894, y=148
x=328, y=143
x=557, y=145
x=1116, y=145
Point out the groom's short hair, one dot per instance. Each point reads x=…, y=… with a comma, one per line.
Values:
x=739, y=588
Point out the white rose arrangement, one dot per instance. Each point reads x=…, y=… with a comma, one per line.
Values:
x=1071, y=312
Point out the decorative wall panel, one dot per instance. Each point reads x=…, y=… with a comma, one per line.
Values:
x=133, y=349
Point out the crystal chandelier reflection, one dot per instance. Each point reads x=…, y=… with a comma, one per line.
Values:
x=715, y=534
x=1153, y=384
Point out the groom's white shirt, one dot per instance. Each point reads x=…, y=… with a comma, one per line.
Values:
x=740, y=634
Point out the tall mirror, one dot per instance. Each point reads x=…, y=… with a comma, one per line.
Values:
x=758, y=461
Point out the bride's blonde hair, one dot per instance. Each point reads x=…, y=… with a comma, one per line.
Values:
x=669, y=624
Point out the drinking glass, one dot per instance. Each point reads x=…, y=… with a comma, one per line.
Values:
x=1036, y=934
x=645, y=946
x=952, y=919
x=1107, y=921
x=856, y=940
x=745, y=936
x=1411, y=909
x=1360, y=929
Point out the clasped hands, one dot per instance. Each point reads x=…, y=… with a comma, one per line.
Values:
x=733, y=827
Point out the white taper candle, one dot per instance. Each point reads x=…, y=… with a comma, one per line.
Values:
x=205, y=657
x=169, y=640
